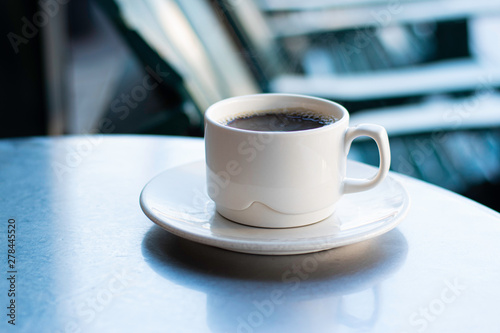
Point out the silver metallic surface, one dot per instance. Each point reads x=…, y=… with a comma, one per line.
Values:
x=89, y=260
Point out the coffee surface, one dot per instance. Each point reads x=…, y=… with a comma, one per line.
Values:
x=280, y=121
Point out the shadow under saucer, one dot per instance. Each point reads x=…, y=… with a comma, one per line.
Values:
x=246, y=291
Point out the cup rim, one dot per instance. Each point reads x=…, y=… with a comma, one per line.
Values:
x=211, y=109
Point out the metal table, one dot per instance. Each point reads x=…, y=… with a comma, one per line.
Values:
x=88, y=260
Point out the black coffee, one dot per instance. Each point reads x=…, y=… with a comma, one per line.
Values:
x=281, y=121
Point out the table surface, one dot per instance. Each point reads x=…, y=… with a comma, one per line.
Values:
x=88, y=260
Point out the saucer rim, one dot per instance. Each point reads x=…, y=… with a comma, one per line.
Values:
x=268, y=246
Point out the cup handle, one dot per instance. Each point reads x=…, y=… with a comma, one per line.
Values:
x=379, y=134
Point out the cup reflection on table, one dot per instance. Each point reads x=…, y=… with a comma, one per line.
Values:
x=298, y=293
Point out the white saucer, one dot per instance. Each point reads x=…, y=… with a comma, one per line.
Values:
x=176, y=200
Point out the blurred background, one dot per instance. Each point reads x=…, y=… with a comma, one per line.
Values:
x=429, y=71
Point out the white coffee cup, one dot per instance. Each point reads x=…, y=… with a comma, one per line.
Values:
x=283, y=179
